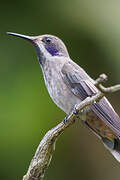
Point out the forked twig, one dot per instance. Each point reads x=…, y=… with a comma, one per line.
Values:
x=44, y=152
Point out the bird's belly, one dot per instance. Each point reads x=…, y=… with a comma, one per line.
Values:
x=97, y=125
x=62, y=96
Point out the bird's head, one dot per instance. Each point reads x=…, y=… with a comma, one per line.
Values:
x=46, y=46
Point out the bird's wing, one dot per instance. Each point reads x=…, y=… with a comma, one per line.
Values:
x=82, y=86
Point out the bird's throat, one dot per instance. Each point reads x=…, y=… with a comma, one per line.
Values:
x=40, y=54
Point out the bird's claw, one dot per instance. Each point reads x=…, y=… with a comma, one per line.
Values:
x=65, y=119
x=75, y=111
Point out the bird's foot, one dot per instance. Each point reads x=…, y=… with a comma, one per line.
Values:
x=75, y=111
x=65, y=119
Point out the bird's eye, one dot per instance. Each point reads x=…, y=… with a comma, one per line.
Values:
x=48, y=40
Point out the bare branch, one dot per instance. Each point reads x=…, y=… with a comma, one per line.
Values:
x=102, y=78
x=109, y=89
x=44, y=152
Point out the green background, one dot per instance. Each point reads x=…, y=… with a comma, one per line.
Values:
x=91, y=32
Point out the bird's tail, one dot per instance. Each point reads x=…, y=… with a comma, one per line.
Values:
x=113, y=147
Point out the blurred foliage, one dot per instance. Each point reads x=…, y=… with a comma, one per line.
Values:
x=91, y=31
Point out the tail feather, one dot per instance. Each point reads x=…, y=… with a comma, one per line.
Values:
x=116, y=155
x=113, y=147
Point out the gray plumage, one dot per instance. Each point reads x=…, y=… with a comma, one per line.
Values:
x=68, y=84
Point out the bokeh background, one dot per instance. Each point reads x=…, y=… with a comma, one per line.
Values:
x=91, y=32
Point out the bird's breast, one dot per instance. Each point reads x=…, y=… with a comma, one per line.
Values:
x=59, y=92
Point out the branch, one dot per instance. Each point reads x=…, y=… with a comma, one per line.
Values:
x=44, y=152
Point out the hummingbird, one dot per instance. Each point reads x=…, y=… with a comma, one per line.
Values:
x=68, y=85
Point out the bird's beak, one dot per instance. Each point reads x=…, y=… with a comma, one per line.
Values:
x=32, y=39
x=35, y=40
